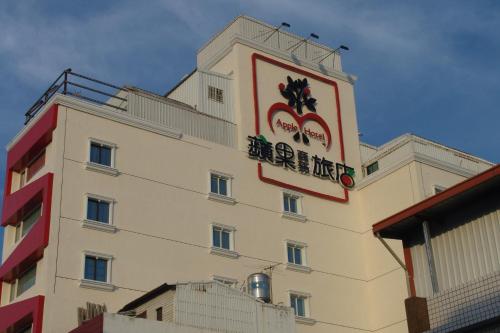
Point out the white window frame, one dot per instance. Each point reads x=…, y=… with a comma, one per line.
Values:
x=303, y=252
x=229, y=185
x=96, y=225
x=231, y=253
x=92, y=284
x=299, y=216
x=306, y=319
x=21, y=224
x=109, y=170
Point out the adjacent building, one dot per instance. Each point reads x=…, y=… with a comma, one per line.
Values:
x=452, y=256
x=251, y=163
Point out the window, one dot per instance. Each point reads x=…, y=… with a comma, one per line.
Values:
x=98, y=210
x=216, y=94
x=218, y=184
x=96, y=269
x=23, y=227
x=32, y=168
x=100, y=154
x=223, y=240
x=220, y=187
x=372, y=168
x=295, y=254
x=300, y=304
x=25, y=282
x=159, y=314
x=35, y=165
x=290, y=203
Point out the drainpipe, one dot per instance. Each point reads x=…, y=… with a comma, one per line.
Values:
x=400, y=262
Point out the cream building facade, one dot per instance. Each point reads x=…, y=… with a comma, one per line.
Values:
x=149, y=189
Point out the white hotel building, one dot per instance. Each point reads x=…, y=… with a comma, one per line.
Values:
x=235, y=170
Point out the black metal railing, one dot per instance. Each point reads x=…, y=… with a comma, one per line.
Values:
x=80, y=86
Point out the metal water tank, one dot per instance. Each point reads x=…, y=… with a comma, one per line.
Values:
x=259, y=286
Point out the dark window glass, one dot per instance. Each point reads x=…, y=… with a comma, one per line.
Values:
x=225, y=240
x=289, y=203
x=216, y=237
x=89, y=268
x=100, y=154
x=30, y=220
x=96, y=269
x=98, y=210
x=372, y=168
x=297, y=303
x=293, y=205
x=101, y=273
x=26, y=281
x=222, y=186
x=159, y=314
x=214, y=188
x=298, y=256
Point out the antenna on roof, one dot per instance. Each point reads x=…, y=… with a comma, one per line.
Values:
x=341, y=47
x=273, y=31
x=294, y=47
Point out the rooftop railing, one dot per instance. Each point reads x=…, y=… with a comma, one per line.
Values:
x=80, y=86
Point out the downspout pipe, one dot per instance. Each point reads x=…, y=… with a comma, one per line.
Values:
x=400, y=262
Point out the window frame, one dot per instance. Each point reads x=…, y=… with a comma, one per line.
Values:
x=14, y=286
x=231, y=252
x=20, y=226
x=303, y=253
x=298, y=216
x=94, y=224
x=306, y=319
x=94, y=284
x=218, y=94
x=93, y=166
x=368, y=167
x=228, y=198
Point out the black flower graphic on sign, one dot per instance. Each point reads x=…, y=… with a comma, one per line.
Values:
x=298, y=94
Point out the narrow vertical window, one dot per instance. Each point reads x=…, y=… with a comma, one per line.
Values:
x=159, y=314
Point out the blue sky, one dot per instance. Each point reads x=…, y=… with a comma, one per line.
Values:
x=427, y=67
